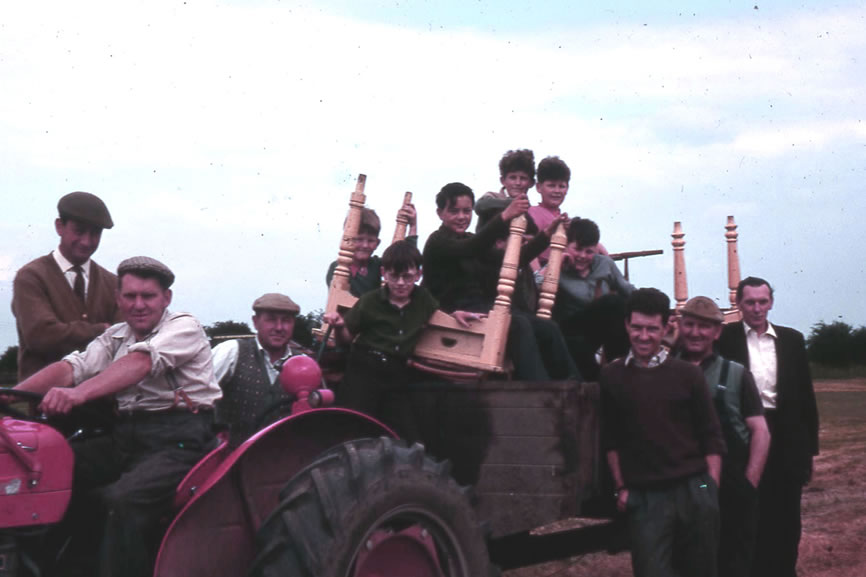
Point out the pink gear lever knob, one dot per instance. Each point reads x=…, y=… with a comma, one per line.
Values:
x=300, y=374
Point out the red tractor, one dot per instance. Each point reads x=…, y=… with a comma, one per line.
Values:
x=320, y=492
x=330, y=492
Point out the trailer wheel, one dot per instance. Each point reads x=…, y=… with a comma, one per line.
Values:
x=372, y=507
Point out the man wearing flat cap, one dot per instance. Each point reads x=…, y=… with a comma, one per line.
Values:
x=738, y=405
x=248, y=369
x=157, y=367
x=63, y=300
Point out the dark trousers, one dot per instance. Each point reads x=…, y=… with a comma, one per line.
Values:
x=779, y=524
x=600, y=324
x=538, y=350
x=124, y=486
x=674, y=530
x=738, y=517
x=375, y=384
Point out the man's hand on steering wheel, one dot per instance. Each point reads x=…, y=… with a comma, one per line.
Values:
x=61, y=400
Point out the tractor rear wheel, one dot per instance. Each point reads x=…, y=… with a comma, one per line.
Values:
x=372, y=507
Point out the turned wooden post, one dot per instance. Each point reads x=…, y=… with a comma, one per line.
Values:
x=681, y=289
x=547, y=294
x=338, y=292
x=499, y=317
x=402, y=228
x=733, y=260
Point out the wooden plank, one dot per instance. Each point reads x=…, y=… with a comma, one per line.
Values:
x=530, y=449
x=521, y=479
x=514, y=421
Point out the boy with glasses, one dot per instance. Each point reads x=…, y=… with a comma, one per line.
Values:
x=384, y=326
x=366, y=268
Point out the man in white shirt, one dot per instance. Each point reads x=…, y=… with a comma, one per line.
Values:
x=776, y=356
x=157, y=367
x=247, y=369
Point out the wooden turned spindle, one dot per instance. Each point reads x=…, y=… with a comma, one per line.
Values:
x=681, y=289
x=402, y=228
x=342, y=274
x=510, y=264
x=731, y=235
x=547, y=294
x=499, y=318
x=338, y=292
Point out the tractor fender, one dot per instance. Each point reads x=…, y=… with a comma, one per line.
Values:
x=213, y=534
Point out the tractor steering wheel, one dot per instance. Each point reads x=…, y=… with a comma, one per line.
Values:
x=94, y=418
x=32, y=400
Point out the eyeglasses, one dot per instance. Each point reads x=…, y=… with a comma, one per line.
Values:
x=407, y=278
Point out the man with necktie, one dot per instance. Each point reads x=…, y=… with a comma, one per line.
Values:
x=63, y=300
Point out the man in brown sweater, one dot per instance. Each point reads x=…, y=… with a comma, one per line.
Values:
x=664, y=446
x=63, y=300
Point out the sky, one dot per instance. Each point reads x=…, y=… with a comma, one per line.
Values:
x=226, y=137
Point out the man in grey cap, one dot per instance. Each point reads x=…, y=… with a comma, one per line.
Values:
x=247, y=369
x=738, y=404
x=157, y=366
x=63, y=300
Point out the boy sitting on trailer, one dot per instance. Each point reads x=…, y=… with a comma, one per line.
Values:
x=590, y=301
x=386, y=325
x=517, y=176
x=462, y=271
x=366, y=268
x=552, y=185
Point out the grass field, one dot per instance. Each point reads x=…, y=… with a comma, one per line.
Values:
x=834, y=504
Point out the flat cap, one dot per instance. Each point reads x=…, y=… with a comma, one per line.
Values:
x=276, y=302
x=703, y=308
x=147, y=265
x=85, y=207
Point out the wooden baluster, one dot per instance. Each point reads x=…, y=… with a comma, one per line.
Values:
x=733, y=261
x=547, y=294
x=681, y=289
x=402, y=228
x=343, y=274
x=500, y=315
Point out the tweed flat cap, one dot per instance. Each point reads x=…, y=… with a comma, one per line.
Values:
x=85, y=207
x=148, y=265
x=703, y=308
x=276, y=302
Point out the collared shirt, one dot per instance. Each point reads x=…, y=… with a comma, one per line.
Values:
x=575, y=292
x=657, y=359
x=762, y=362
x=69, y=272
x=225, y=360
x=180, y=357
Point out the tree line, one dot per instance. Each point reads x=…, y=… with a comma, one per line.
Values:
x=217, y=332
x=835, y=344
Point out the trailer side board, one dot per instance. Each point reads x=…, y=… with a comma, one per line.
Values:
x=531, y=450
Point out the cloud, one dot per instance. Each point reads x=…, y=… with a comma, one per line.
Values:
x=226, y=137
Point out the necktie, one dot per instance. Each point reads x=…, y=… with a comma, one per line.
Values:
x=78, y=285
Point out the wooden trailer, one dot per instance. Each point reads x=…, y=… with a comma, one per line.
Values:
x=531, y=450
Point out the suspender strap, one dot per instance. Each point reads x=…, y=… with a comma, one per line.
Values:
x=723, y=376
